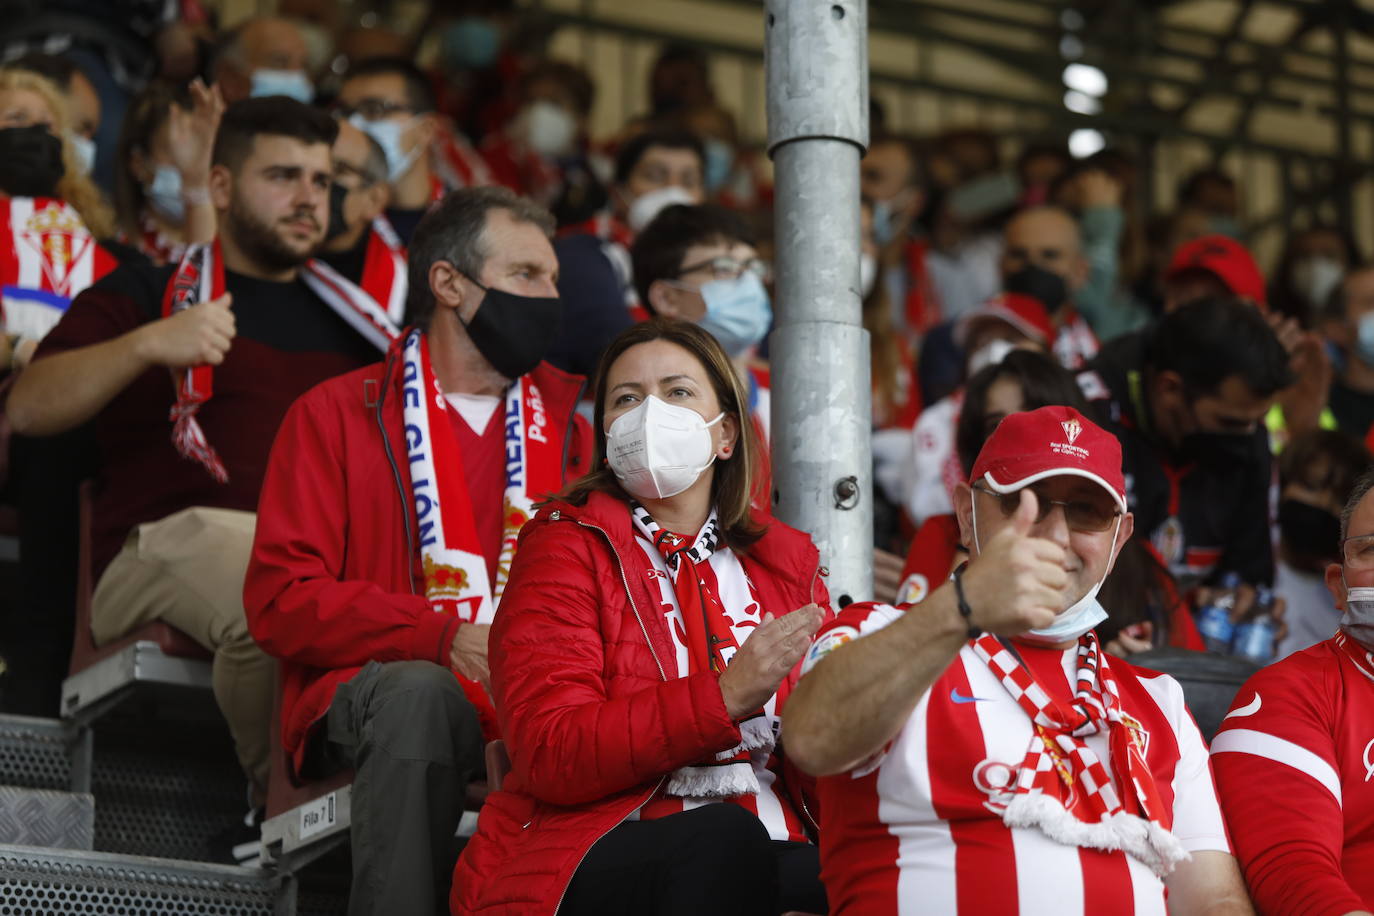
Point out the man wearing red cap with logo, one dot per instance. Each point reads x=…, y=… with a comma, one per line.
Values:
x=980, y=753
x=1213, y=266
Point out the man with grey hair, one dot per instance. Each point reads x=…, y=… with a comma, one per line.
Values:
x=263, y=56
x=1294, y=757
x=390, y=510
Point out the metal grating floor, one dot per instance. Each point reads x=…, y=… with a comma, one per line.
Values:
x=55, y=883
x=164, y=791
x=35, y=753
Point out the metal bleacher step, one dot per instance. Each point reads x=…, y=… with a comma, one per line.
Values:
x=57, y=882
x=47, y=818
x=118, y=818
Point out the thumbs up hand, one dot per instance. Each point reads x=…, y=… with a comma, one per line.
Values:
x=1017, y=581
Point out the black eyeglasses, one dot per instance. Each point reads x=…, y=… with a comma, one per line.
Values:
x=727, y=268
x=1079, y=514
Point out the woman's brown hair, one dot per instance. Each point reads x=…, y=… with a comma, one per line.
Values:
x=732, y=489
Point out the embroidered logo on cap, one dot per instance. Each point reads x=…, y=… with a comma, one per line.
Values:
x=1072, y=430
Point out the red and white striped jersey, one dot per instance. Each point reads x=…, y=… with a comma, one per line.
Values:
x=917, y=828
x=741, y=604
x=1294, y=759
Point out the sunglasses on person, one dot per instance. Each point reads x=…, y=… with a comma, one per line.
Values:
x=1079, y=514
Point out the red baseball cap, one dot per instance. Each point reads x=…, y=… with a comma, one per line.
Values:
x=1050, y=442
x=1224, y=258
x=1024, y=313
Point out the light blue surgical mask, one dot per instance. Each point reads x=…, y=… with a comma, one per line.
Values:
x=85, y=152
x=291, y=83
x=737, y=312
x=388, y=134
x=1364, y=339
x=470, y=43
x=164, y=195
x=1076, y=619
x=720, y=159
x=883, y=227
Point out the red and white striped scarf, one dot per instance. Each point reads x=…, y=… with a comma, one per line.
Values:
x=711, y=645
x=456, y=162
x=455, y=569
x=384, y=270
x=199, y=277
x=153, y=242
x=1062, y=788
x=49, y=257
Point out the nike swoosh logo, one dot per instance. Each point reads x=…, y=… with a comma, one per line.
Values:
x=1249, y=709
x=960, y=698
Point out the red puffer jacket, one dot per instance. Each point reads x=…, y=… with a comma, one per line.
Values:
x=592, y=722
x=330, y=586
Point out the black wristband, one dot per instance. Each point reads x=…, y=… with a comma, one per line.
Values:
x=965, y=611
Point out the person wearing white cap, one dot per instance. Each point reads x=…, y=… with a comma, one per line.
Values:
x=979, y=752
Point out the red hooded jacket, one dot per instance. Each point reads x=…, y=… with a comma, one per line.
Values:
x=330, y=586
x=592, y=722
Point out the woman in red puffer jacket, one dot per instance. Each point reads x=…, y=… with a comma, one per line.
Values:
x=651, y=630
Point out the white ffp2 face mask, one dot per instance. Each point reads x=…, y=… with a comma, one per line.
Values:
x=657, y=450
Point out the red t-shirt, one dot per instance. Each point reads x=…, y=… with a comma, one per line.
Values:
x=287, y=342
x=484, y=469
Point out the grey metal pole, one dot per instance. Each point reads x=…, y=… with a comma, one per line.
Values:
x=816, y=55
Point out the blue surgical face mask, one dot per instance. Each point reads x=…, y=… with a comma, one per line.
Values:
x=164, y=195
x=291, y=83
x=883, y=226
x=470, y=43
x=1364, y=339
x=388, y=135
x=85, y=152
x=1076, y=619
x=720, y=159
x=737, y=312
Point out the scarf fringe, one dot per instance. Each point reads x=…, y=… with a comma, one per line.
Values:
x=1147, y=841
x=727, y=779
x=724, y=781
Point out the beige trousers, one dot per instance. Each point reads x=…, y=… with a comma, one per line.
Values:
x=187, y=570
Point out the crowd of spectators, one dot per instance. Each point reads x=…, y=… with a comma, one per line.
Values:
x=334, y=311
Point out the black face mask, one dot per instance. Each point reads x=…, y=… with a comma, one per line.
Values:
x=1046, y=288
x=1219, y=450
x=514, y=332
x=337, y=224
x=32, y=160
x=1312, y=535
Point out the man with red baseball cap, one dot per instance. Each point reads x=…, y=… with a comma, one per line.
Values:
x=979, y=752
x=1213, y=266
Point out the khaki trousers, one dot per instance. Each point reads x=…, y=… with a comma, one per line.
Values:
x=187, y=570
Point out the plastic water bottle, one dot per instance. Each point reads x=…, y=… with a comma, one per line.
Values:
x=1254, y=639
x=1214, y=621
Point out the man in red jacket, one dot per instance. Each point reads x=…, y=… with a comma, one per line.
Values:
x=379, y=559
x=1294, y=756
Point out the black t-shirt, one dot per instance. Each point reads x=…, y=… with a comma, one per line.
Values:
x=287, y=341
x=1353, y=410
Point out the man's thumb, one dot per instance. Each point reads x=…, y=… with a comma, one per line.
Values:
x=1026, y=512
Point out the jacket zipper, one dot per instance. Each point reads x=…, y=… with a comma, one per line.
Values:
x=620, y=567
